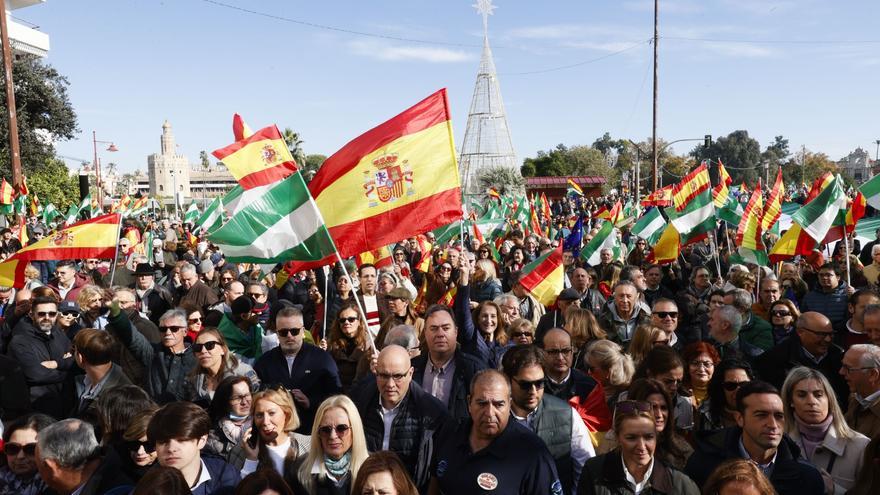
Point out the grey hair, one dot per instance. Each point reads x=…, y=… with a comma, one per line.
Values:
x=800, y=374
x=263, y=287
x=625, y=283
x=875, y=249
x=506, y=297
x=742, y=300
x=731, y=315
x=402, y=335
x=870, y=353
x=71, y=443
x=173, y=314
x=188, y=268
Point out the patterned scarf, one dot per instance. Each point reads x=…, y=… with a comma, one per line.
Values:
x=338, y=468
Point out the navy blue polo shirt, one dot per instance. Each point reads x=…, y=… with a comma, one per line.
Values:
x=517, y=462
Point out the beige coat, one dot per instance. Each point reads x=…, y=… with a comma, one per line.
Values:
x=847, y=454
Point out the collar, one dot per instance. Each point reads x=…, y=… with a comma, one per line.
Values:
x=867, y=401
x=432, y=368
x=811, y=357
x=204, y=476
x=850, y=329
x=561, y=382
x=766, y=468
x=639, y=486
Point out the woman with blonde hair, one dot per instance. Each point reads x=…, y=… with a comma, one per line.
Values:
x=584, y=329
x=214, y=363
x=337, y=453
x=814, y=421
x=271, y=442
x=609, y=365
x=521, y=332
x=485, y=283
x=644, y=339
x=91, y=304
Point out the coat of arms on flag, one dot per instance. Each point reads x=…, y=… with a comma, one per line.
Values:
x=388, y=181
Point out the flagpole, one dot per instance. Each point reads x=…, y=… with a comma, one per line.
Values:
x=846, y=247
x=717, y=257
x=326, y=284
x=116, y=251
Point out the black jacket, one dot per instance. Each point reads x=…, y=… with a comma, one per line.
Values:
x=109, y=478
x=157, y=301
x=604, y=475
x=773, y=366
x=30, y=347
x=791, y=473
x=466, y=366
x=314, y=372
x=419, y=415
x=14, y=395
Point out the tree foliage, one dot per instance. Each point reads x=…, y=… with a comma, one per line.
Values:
x=54, y=184
x=505, y=180
x=576, y=160
x=294, y=144
x=45, y=115
x=740, y=154
x=311, y=165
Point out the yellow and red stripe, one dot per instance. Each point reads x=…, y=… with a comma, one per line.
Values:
x=690, y=186
x=748, y=234
x=721, y=192
x=794, y=242
x=576, y=188
x=415, y=153
x=545, y=277
x=855, y=212
x=240, y=128
x=819, y=185
x=493, y=193
x=7, y=193
x=378, y=257
x=773, y=208
x=259, y=159
x=667, y=248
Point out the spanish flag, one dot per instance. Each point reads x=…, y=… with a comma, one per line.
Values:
x=667, y=248
x=259, y=159
x=377, y=257
x=855, y=212
x=397, y=180
x=6, y=193
x=573, y=188
x=493, y=193
x=690, y=186
x=794, y=242
x=661, y=197
x=95, y=238
x=722, y=190
x=748, y=234
x=544, y=277
x=773, y=208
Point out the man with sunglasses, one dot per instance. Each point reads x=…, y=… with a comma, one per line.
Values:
x=551, y=418
x=397, y=414
x=167, y=362
x=43, y=351
x=812, y=347
x=309, y=373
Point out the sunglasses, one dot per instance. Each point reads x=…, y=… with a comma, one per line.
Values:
x=173, y=329
x=13, y=449
x=527, y=385
x=282, y=332
x=135, y=445
x=348, y=319
x=632, y=407
x=780, y=313
x=256, y=295
x=340, y=430
x=517, y=335
x=69, y=313
x=666, y=314
x=50, y=314
x=208, y=346
x=194, y=320
x=731, y=386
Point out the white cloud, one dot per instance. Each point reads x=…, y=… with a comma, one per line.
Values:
x=394, y=53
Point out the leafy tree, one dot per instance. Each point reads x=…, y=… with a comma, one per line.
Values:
x=54, y=184
x=203, y=159
x=504, y=179
x=740, y=154
x=311, y=165
x=45, y=115
x=294, y=144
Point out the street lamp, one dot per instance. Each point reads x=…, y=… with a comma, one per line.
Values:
x=98, y=181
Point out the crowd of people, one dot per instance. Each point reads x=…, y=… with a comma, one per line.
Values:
x=179, y=372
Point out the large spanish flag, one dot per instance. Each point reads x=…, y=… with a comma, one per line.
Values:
x=94, y=238
x=545, y=276
x=748, y=234
x=690, y=186
x=773, y=208
x=397, y=180
x=259, y=159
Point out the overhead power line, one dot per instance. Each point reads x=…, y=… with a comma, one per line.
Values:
x=779, y=42
x=578, y=64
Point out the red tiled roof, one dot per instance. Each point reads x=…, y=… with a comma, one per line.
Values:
x=581, y=180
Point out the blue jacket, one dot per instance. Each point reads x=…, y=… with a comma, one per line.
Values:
x=831, y=304
x=486, y=291
x=224, y=477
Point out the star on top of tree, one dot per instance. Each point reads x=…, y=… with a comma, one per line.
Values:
x=484, y=8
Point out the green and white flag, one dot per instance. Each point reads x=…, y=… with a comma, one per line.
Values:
x=72, y=215
x=282, y=225
x=697, y=218
x=212, y=217
x=732, y=211
x=237, y=197
x=192, y=213
x=817, y=216
x=745, y=255
x=446, y=233
x=50, y=213
x=871, y=191
x=606, y=238
x=86, y=204
x=650, y=226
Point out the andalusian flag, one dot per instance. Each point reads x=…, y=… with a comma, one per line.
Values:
x=446, y=233
x=247, y=345
x=20, y=204
x=732, y=211
x=212, y=217
x=86, y=204
x=378, y=257
x=192, y=214
x=818, y=216
x=259, y=159
x=282, y=225
x=574, y=189
x=773, y=209
x=95, y=238
x=72, y=215
x=6, y=193
x=691, y=185
x=397, y=180
x=138, y=206
x=748, y=234
x=606, y=238
x=544, y=277
x=650, y=226
x=50, y=213
x=697, y=218
x=870, y=189
x=721, y=192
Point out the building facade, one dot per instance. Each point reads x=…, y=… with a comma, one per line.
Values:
x=857, y=165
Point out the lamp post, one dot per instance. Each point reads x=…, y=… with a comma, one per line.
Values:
x=174, y=189
x=98, y=182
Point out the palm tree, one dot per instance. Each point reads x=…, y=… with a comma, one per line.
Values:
x=294, y=144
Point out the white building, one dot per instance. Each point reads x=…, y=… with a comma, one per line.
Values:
x=857, y=165
x=25, y=37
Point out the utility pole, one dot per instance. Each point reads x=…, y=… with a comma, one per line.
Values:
x=10, y=99
x=654, y=123
x=803, y=162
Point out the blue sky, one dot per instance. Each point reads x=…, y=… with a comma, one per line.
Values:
x=805, y=69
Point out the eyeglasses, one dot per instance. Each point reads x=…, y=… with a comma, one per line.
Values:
x=397, y=377
x=282, y=332
x=846, y=369
x=226, y=279
x=702, y=364
x=91, y=262
x=731, y=386
x=172, y=328
x=13, y=449
x=780, y=313
x=135, y=445
x=445, y=269
x=559, y=352
x=255, y=295
x=517, y=335
x=666, y=314
x=340, y=430
x=821, y=335
x=44, y=314
x=240, y=398
x=208, y=346
x=634, y=407
x=348, y=319
x=69, y=313
x=195, y=320
x=527, y=385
